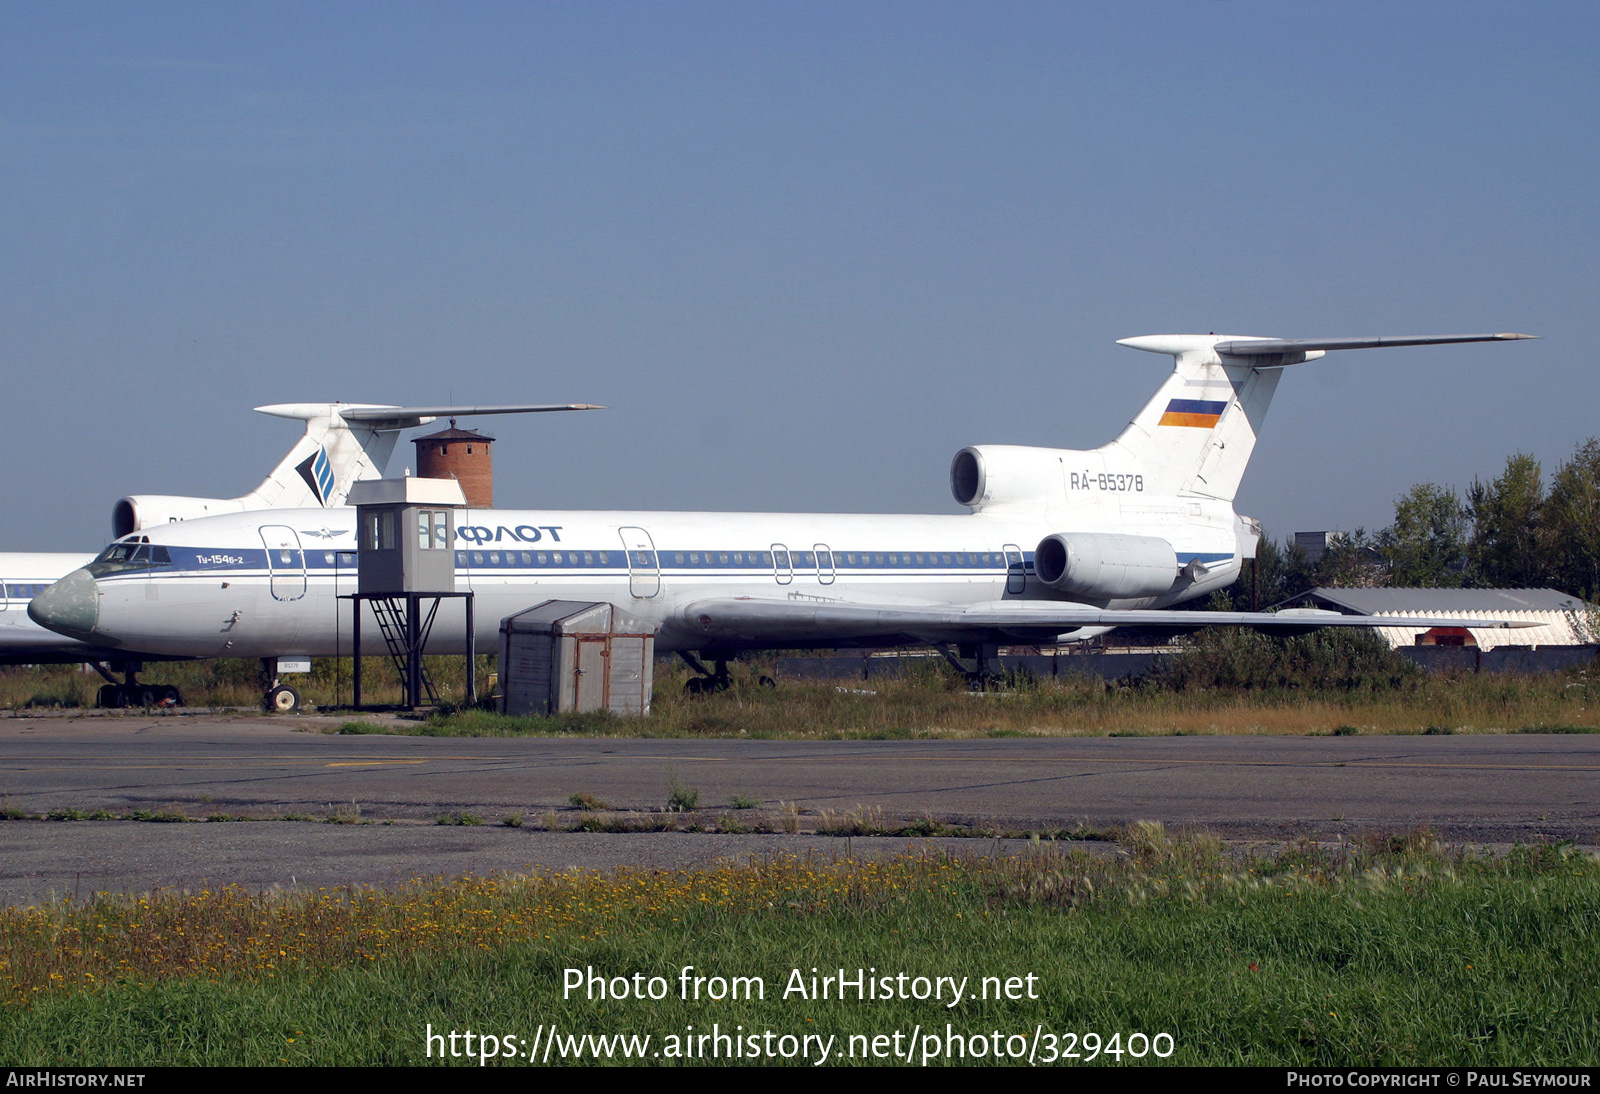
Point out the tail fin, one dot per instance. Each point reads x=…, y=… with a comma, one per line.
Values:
x=1196, y=435
x=343, y=444
x=327, y=460
x=347, y=442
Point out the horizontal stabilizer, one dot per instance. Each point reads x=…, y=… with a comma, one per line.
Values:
x=384, y=413
x=386, y=418
x=1256, y=347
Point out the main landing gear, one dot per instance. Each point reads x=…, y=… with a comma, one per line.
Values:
x=708, y=682
x=129, y=692
x=984, y=674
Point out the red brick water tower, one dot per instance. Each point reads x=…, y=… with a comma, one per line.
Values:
x=460, y=454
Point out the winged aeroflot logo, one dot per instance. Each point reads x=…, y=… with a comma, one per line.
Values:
x=318, y=473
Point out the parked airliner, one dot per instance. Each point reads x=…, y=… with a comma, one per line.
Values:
x=1057, y=543
x=343, y=443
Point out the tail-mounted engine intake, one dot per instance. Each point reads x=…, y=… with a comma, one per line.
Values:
x=993, y=476
x=141, y=511
x=1104, y=565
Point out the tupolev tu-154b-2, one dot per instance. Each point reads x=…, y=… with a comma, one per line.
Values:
x=1057, y=544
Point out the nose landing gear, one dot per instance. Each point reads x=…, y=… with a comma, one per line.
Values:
x=282, y=699
x=276, y=698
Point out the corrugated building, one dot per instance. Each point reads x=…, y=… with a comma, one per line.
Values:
x=1565, y=619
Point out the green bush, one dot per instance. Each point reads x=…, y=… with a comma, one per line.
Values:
x=1327, y=660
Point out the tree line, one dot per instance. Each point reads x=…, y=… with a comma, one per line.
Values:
x=1515, y=531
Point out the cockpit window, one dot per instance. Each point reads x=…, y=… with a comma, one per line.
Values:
x=126, y=555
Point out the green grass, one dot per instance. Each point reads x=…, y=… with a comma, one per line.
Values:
x=928, y=704
x=468, y=820
x=1229, y=683
x=682, y=798
x=1391, y=952
x=232, y=682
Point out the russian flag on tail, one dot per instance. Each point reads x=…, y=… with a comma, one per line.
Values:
x=1202, y=413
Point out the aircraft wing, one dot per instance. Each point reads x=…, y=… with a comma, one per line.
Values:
x=752, y=622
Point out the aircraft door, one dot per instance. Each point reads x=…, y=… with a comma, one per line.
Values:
x=824, y=564
x=286, y=561
x=782, y=565
x=1016, y=569
x=644, y=565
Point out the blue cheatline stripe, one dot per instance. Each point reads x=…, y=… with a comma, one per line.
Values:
x=931, y=563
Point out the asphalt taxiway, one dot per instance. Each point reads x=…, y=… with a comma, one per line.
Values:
x=1474, y=788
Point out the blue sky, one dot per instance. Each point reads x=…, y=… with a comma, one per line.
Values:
x=804, y=252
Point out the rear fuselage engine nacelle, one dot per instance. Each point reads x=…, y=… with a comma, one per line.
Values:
x=1007, y=476
x=141, y=511
x=1104, y=565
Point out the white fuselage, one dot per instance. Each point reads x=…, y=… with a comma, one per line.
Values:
x=222, y=593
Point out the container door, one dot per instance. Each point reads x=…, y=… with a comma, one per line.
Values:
x=589, y=676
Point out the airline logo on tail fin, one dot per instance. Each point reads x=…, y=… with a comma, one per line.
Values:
x=1202, y=413
x=318, y=473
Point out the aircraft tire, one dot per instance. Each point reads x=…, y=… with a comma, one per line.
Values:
x=148, y=696
x=282, y=699
x=171, y=696
x=107, y=697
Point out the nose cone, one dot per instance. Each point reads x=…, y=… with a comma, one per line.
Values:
x=71, y=606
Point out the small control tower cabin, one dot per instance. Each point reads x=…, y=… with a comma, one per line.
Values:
x=405, y=553
x=407, y=542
